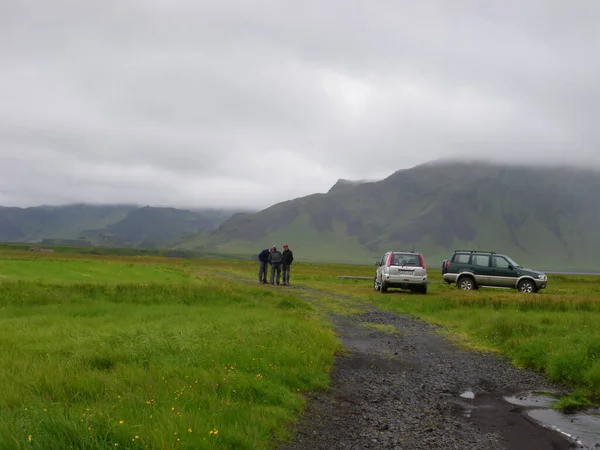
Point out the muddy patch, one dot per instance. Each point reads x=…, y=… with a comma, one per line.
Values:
x=582, y=428
x=491, y=413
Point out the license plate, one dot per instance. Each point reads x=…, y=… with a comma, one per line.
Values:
x=405, y=272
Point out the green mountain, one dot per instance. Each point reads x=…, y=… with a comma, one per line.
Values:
x=105, y=225
x=541, y=216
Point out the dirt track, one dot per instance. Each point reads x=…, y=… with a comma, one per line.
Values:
x=402, y=390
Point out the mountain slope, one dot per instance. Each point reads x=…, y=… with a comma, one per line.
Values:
x=548, y=217
x=150, y=227
x=61, y=222
x=114, y=225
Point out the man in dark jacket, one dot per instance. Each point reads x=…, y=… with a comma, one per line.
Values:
x=263, y=260
x=275, y=261
x=287, y=257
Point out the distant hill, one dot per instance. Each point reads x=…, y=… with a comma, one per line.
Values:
x=545, y=217
x=105, y=225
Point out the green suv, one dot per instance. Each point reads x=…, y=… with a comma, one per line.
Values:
x=470, y=269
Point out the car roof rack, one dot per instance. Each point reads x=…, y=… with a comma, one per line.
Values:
x=474, y=251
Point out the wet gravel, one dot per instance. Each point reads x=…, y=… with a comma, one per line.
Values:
x=403, y=391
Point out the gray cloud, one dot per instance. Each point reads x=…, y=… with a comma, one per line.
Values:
x=238, y=103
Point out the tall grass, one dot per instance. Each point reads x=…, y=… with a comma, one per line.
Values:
x=206, y=365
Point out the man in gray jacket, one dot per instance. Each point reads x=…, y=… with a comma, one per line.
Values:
x=275, y=262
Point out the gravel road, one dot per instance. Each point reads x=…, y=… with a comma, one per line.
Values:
x=403, y=391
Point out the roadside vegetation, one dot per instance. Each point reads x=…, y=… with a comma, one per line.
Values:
x=153, y=352
x=554, y=332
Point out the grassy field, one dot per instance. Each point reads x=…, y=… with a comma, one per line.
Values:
x=149, y=355
x=149, y=352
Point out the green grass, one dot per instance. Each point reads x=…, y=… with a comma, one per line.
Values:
x=172, y=345
x=381, y=327
x=99, y=270
x=204, y=364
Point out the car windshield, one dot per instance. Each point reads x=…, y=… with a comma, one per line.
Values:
x=405, y=260
x=511, y=261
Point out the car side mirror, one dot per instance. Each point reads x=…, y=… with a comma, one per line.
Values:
x=378, y=263
x=510, y=267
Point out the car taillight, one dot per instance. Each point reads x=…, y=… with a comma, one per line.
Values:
x=447, y=264
x=389, y=261
x=422, y=261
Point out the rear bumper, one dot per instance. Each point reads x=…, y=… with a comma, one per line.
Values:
x=405, y=283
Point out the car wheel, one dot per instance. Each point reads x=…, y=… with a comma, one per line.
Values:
x=423, y=289
x=383, y=287
x=466, y=284
x=376, y=286
x=526, y=286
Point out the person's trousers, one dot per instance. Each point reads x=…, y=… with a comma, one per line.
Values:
x=262, y=271
x=285, y=268
x=275, y=268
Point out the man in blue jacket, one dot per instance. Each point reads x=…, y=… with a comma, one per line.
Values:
x=263, y=261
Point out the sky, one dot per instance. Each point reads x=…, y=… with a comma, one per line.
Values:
x=237, y=103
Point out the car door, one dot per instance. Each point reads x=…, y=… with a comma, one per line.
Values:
x=502, y=274
x=481, y=267
x=381, y=266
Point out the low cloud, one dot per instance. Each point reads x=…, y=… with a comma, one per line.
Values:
x=247, y=104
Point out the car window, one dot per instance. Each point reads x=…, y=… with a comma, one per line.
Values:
x=500, y=263
x=384, y=259
x=405, y=260
x=462, y=258
x=481, y=260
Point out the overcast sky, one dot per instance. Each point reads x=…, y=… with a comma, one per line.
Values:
x=248, y=103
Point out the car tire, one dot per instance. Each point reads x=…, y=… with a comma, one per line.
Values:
x=376, y=286
x=527, y=287
x=383, y=288
x=422, y=290
x=466, y=283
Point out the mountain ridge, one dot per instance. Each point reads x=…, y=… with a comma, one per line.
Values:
x=546, y=215
x=105, y=225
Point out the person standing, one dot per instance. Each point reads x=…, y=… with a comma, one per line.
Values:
x=263, y=261
x=287, y=257
x=275, y=261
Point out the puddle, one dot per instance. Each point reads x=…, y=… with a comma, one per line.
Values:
x=466, y=412
x=532, y=400
x=583, y=428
